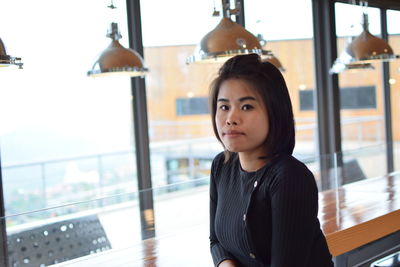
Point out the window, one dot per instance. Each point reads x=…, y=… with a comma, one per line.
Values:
x=306, y=100
x=294, y=48
x=180, y=131
x=362, y=107
x=393, y=17
x=192, y=106
x=362, y=97
x=65, y=137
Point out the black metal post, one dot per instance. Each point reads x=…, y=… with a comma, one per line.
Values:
x=240, y=17
x=387, y=99
x=387, y=4
x=141, y=126
x=327, y=90
x=3, y=230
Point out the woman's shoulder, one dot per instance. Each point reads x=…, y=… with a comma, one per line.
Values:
x=221, y=159
x=221, y=166
x=288, y=169
x=218, y=161
x=288, y=163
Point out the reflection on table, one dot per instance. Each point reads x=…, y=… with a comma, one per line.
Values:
x=351, y=216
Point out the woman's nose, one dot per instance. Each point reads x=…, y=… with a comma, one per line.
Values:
x=232, y=118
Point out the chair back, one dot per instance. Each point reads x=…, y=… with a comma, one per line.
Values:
x=57, y=242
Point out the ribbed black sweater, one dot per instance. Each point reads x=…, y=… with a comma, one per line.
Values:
x=267, y=217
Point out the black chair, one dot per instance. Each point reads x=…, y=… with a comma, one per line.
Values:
x=351, y=172
x=57, y=242
x=392, y=260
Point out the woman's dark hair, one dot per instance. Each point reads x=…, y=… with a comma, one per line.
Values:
x=268, y=83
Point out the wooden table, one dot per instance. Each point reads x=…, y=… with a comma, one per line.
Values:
x=351, y=216
x=359, y=213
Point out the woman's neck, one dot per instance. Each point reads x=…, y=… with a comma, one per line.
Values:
x=251, y=163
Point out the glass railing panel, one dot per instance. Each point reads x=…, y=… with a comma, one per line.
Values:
x=50, y=231
x=181, y=206
x=357, y=164
x=62, y=233
x=40, y=185
x=179, y=209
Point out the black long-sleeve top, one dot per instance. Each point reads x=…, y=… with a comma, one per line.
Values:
x=267, y=217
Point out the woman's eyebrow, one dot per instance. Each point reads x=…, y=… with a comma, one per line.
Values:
x=247, y=98
x=240, y=99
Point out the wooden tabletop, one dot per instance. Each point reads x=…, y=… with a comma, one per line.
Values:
x=350, y=216
x=359, y=213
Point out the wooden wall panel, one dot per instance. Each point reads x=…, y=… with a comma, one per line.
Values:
x=171, y=78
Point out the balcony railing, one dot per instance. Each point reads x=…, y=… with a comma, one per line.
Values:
x=176, y=165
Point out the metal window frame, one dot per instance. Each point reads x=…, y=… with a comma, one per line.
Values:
x=328, y=101
x=327, y=91
x=385, y=4
x=3, y=229
x=140, y=124
x=387, y=98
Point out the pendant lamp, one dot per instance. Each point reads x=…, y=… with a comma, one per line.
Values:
x=7, y=60
x=226, y=40
x=276, y=62
x=346, y=62
x=363, y=50
x=271, y=58
x=116, y=59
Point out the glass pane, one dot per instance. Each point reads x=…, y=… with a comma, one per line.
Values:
x=65, y=137
x=293, y=46
x=111, y=236
x=361, y=99
x=394, y=41
x=182, y=142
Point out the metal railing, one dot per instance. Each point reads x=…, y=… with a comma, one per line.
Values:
x=35, y=185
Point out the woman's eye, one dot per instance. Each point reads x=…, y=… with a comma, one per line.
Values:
x=247, y=107
x=223, y=107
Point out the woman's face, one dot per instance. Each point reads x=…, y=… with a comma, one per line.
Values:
x=241, y=118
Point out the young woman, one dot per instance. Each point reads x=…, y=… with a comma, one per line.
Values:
x=263, y=201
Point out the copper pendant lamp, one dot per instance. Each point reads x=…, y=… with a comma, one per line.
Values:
x=7, y=60
x=346, y=61
x=363, y=50
x=116, y=59
x=226, y=40
x=271, y=58
x=276, y=62
x=367, y=47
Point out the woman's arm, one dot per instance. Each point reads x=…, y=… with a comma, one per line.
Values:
x=220, y=256
x=227, y=263
x=294, y=202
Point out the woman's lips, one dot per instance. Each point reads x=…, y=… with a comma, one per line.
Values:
x=233, y=133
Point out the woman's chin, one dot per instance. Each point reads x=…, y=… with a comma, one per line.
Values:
x=233, y=149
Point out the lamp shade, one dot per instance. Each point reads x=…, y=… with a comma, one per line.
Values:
x=276, y=62
x=346, y=61
x=7, y=60
x=227, y=39
x=368, y=47
x=363, y=50
x=118, y=60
